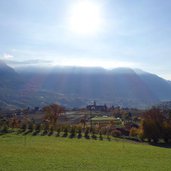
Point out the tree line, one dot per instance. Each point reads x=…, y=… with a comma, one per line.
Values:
x=155, y=126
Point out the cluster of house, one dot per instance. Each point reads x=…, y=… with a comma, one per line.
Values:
x=102, y=120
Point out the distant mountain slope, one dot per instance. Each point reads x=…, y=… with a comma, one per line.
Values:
x=9, y=77
x=10, y=82
x=121, y=86
x=169, y=82
x=76, y=86
x=157, y=85
x=23, y=90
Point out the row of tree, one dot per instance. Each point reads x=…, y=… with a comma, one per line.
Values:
x=155, y=125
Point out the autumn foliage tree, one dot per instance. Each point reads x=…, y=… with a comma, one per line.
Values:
x=52, y=113
x=166, y=131
x=14, y=122
x=155, y=125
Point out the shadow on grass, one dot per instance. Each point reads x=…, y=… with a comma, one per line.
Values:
x=162, y=145
x=159, y=144
x=3, y=132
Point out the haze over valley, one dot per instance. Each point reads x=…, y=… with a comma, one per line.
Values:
x=79, y=86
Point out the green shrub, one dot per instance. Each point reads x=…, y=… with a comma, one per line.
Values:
x=86, y=134
x=65, y=132
x=58, y=132
x=100, y=136
x=79, y=133
x=93, y=136
x=51, y=129
x=72, y=132
x=4, y=128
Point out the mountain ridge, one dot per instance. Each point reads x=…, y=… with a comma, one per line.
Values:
x=76, y=86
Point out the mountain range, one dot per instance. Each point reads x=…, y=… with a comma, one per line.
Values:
x=79, y=86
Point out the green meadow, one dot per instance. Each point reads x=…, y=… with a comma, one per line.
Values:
x=27, y=153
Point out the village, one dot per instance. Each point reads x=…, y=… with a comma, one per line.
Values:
x=112, y=120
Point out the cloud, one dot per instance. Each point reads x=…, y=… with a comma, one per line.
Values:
x=7, y=56
x=28, y=62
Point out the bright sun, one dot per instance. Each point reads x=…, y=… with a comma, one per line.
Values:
x=85, y=17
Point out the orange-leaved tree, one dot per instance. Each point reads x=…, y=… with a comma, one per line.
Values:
x=52, y=113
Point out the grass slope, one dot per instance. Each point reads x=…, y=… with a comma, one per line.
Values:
x=44, y=153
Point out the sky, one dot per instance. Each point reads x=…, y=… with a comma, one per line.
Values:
x=105, y=33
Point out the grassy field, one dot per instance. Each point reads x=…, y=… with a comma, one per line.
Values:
x=29, y=153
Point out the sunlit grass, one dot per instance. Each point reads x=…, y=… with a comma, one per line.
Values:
x=19, y=152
